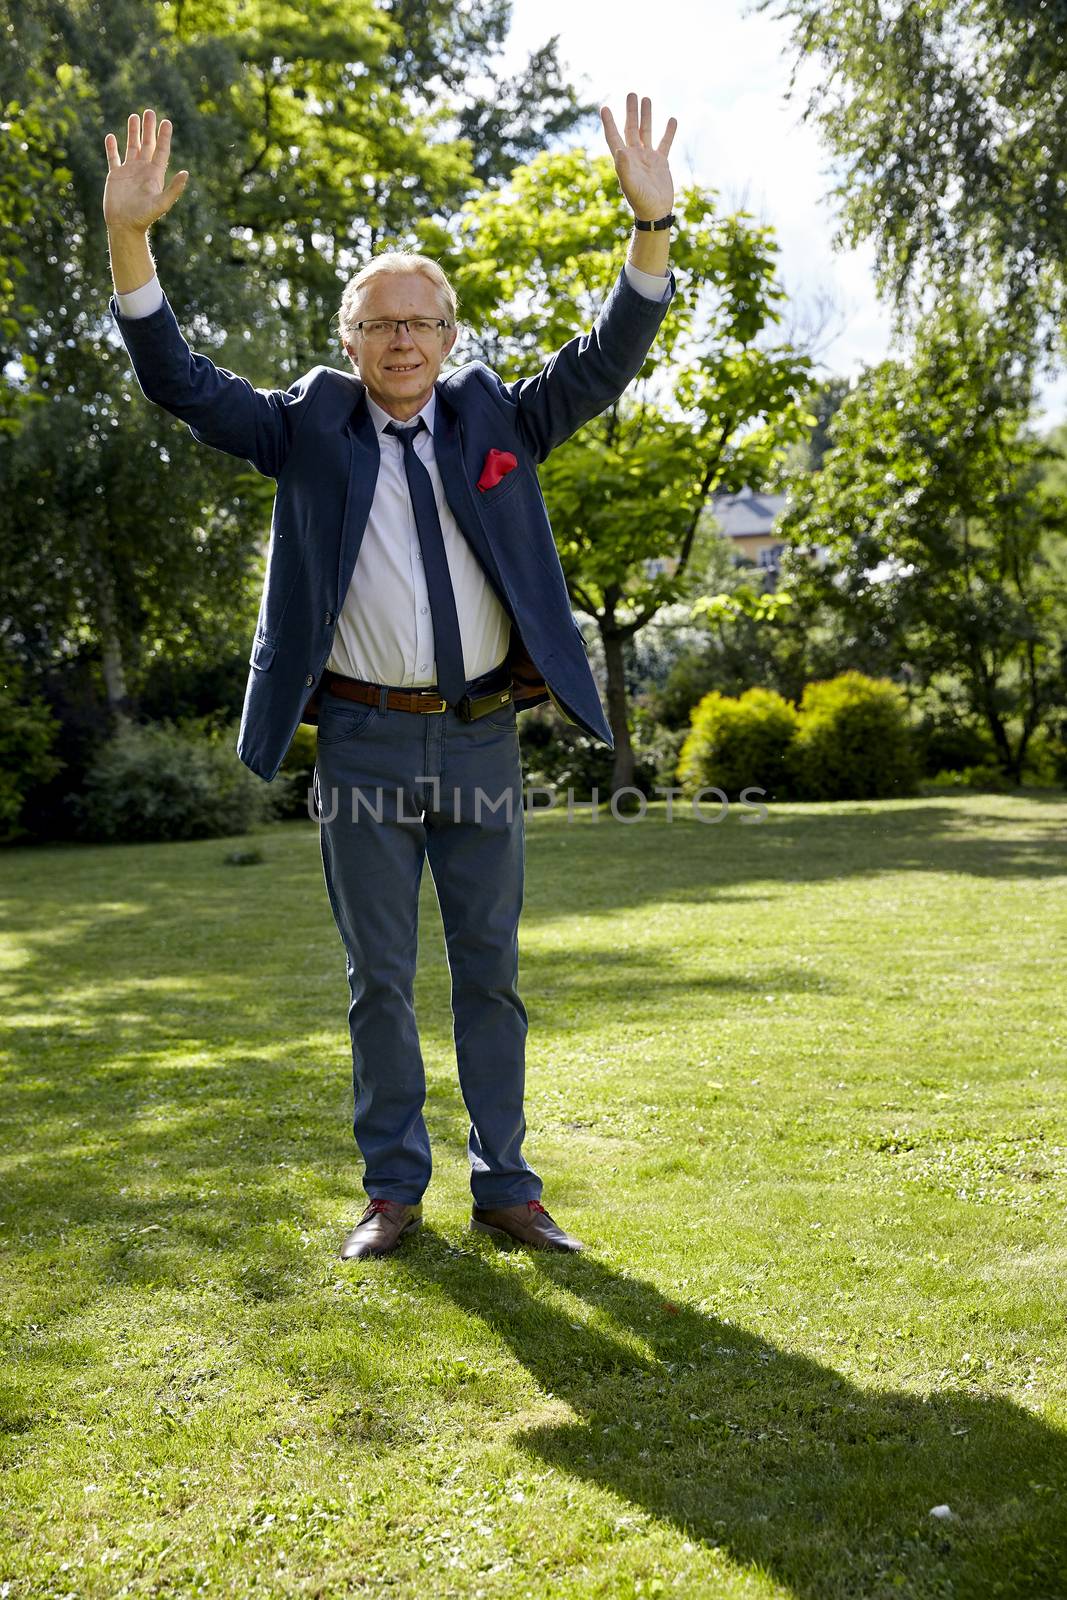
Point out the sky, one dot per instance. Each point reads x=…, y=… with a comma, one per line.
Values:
x=722, y=69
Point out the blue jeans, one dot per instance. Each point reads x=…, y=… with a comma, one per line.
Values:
x=428, y=787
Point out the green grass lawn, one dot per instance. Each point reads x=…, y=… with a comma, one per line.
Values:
x=798, y=1086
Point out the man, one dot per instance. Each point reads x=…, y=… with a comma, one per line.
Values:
x=413, y=600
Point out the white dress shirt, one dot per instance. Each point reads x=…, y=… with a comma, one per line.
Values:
x=384, y=631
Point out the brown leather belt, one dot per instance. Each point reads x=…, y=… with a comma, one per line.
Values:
x=477, y=702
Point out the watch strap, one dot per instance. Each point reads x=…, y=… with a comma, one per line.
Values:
x=644, y=226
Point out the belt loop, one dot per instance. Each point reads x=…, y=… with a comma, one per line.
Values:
x=383, y=698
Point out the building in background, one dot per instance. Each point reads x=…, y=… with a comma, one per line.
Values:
x=747, y=519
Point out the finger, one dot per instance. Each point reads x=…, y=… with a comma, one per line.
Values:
x=646, y=121
x=664, y=146
x=611, y=132
x=631, y=119
x=133, y=135
x=148, y=135
x=173, y=190
x=111, y=145
x=162, y=156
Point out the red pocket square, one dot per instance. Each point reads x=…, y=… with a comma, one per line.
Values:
x=498, y=463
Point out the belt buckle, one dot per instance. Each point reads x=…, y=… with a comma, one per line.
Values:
x=432, y=711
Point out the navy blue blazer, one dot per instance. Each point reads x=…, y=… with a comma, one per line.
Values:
x=316, y=438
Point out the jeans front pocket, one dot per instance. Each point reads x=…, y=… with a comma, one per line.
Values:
x=502, y=719
x=342, y=719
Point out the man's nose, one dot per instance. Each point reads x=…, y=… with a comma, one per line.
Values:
x=401, y=337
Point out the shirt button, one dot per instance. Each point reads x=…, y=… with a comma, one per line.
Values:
x=425, y=609
x=424, y=666
x=310, y=679
x=418, y=555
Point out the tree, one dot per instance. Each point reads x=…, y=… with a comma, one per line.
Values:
x=822, y=402
x=948, y=120
x=943, y=546
x=311, y=138
x=713, y=408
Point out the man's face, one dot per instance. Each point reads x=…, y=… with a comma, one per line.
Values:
x=400, y=370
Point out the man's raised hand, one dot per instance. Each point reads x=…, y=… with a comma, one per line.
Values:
x=644, y=173
x=136, y=193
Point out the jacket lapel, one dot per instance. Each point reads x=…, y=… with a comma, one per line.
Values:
x=527, y=684
x=448, y=451
x=364, y=461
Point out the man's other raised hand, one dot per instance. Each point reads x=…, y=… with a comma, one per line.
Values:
x=136, y=193
x=643, y=169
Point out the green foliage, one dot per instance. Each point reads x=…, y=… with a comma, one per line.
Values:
x=297, y=773
x=850, y=739
x=557, y=755
x=946, y=121
x=170, y=781
x=853, y=741
x=736, y=744
x=714, y=407
x=986, y=777
x=657, y=749
x=691, y=677
x=32, y=182
x=28, y=732
x=945, y=744
x=941, y=542
x=1046, y=759
x=312, y=138
x=119, y=533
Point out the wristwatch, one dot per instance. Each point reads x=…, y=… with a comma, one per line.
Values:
x=654, y=227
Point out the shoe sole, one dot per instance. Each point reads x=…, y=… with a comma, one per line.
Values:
x=502, y=1236
x=409, y=1227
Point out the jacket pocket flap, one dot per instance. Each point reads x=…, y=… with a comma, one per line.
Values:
x=262, y=654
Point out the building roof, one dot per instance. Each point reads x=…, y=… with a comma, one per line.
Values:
x=746, y=515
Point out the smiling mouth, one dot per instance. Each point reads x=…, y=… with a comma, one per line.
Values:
x=408, y=367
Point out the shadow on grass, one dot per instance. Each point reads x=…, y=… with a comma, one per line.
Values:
x=783, y=1464
x=173, y=947
x=116, y=971
x=652, y=860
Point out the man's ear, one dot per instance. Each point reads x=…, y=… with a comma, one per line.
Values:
x=453, y=335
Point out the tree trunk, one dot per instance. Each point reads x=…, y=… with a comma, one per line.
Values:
x=111, y=662
x=622, y=773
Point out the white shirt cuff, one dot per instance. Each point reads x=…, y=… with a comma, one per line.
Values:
x=650, y=284
x=148, y=298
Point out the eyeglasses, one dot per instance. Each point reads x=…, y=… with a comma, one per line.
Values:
x=417, y=327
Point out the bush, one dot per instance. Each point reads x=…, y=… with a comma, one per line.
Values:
x=736, y=744
x=170, y=781
x=182, y=689
x=853, y=741
x=945, y=744
x=1046, y=757
x=656, y=750
x=558, y=755
x=296, y=774
x=28, y=730
x=694, y=674
x=989, y=778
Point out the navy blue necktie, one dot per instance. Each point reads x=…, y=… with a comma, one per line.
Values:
x=448, y=646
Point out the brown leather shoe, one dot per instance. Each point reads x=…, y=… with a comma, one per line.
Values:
x=380, y=1229
x=528, y=1224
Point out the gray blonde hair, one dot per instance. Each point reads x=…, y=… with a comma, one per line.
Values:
x=393, y=261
